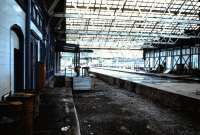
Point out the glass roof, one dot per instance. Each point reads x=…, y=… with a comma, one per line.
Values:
x=129, y=24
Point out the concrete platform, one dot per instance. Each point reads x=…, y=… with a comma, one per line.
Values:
x=178, y=94
x=161, y=75
x=57, y=112
x=109, y=110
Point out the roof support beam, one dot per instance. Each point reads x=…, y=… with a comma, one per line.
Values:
x=129, y=23
x=53, y=5
x=59, y=23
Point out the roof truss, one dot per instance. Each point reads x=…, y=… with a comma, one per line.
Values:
x=129, y=23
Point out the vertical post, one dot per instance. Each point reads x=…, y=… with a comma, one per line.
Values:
x=27, y=45
x=74, y=59
x=149, y=60
x=65, y=71
x=181, y=55
x=172, y=59
x=198, y=41
x=181, y=61
x=154, y=58
x=171, y=65
x=198, y=53
x=79, y=59
x=144, y=57
x=159, y=58
x=55, y=62
x=190, y=59
x=165, y=62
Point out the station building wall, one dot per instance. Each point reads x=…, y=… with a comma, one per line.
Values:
x=10, y=14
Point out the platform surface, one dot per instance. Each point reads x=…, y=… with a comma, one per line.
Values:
x=110, y=110
x=180, y=87
x=57, y=114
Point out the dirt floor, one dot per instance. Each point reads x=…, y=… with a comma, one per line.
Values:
x=108, y=110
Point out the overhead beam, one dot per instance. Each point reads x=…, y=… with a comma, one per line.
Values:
x=121, y=34
x=104, y=48
x=124, y=9
x=126, y=18
x=52, y=7
x=124, y=4
x=59, y=23
x=66, y=47
x=66, y=44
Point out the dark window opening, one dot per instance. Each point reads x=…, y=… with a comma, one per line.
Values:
x=36, y=15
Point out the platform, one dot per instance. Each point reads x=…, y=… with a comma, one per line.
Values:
x=162, y=75
x=179, y=94
x=109, y=110
x=58, y=114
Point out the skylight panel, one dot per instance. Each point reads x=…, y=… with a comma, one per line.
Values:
x=126, y=17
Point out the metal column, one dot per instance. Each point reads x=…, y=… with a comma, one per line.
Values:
x=28, y=46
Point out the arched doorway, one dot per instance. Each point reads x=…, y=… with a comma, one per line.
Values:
x=16, y=58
